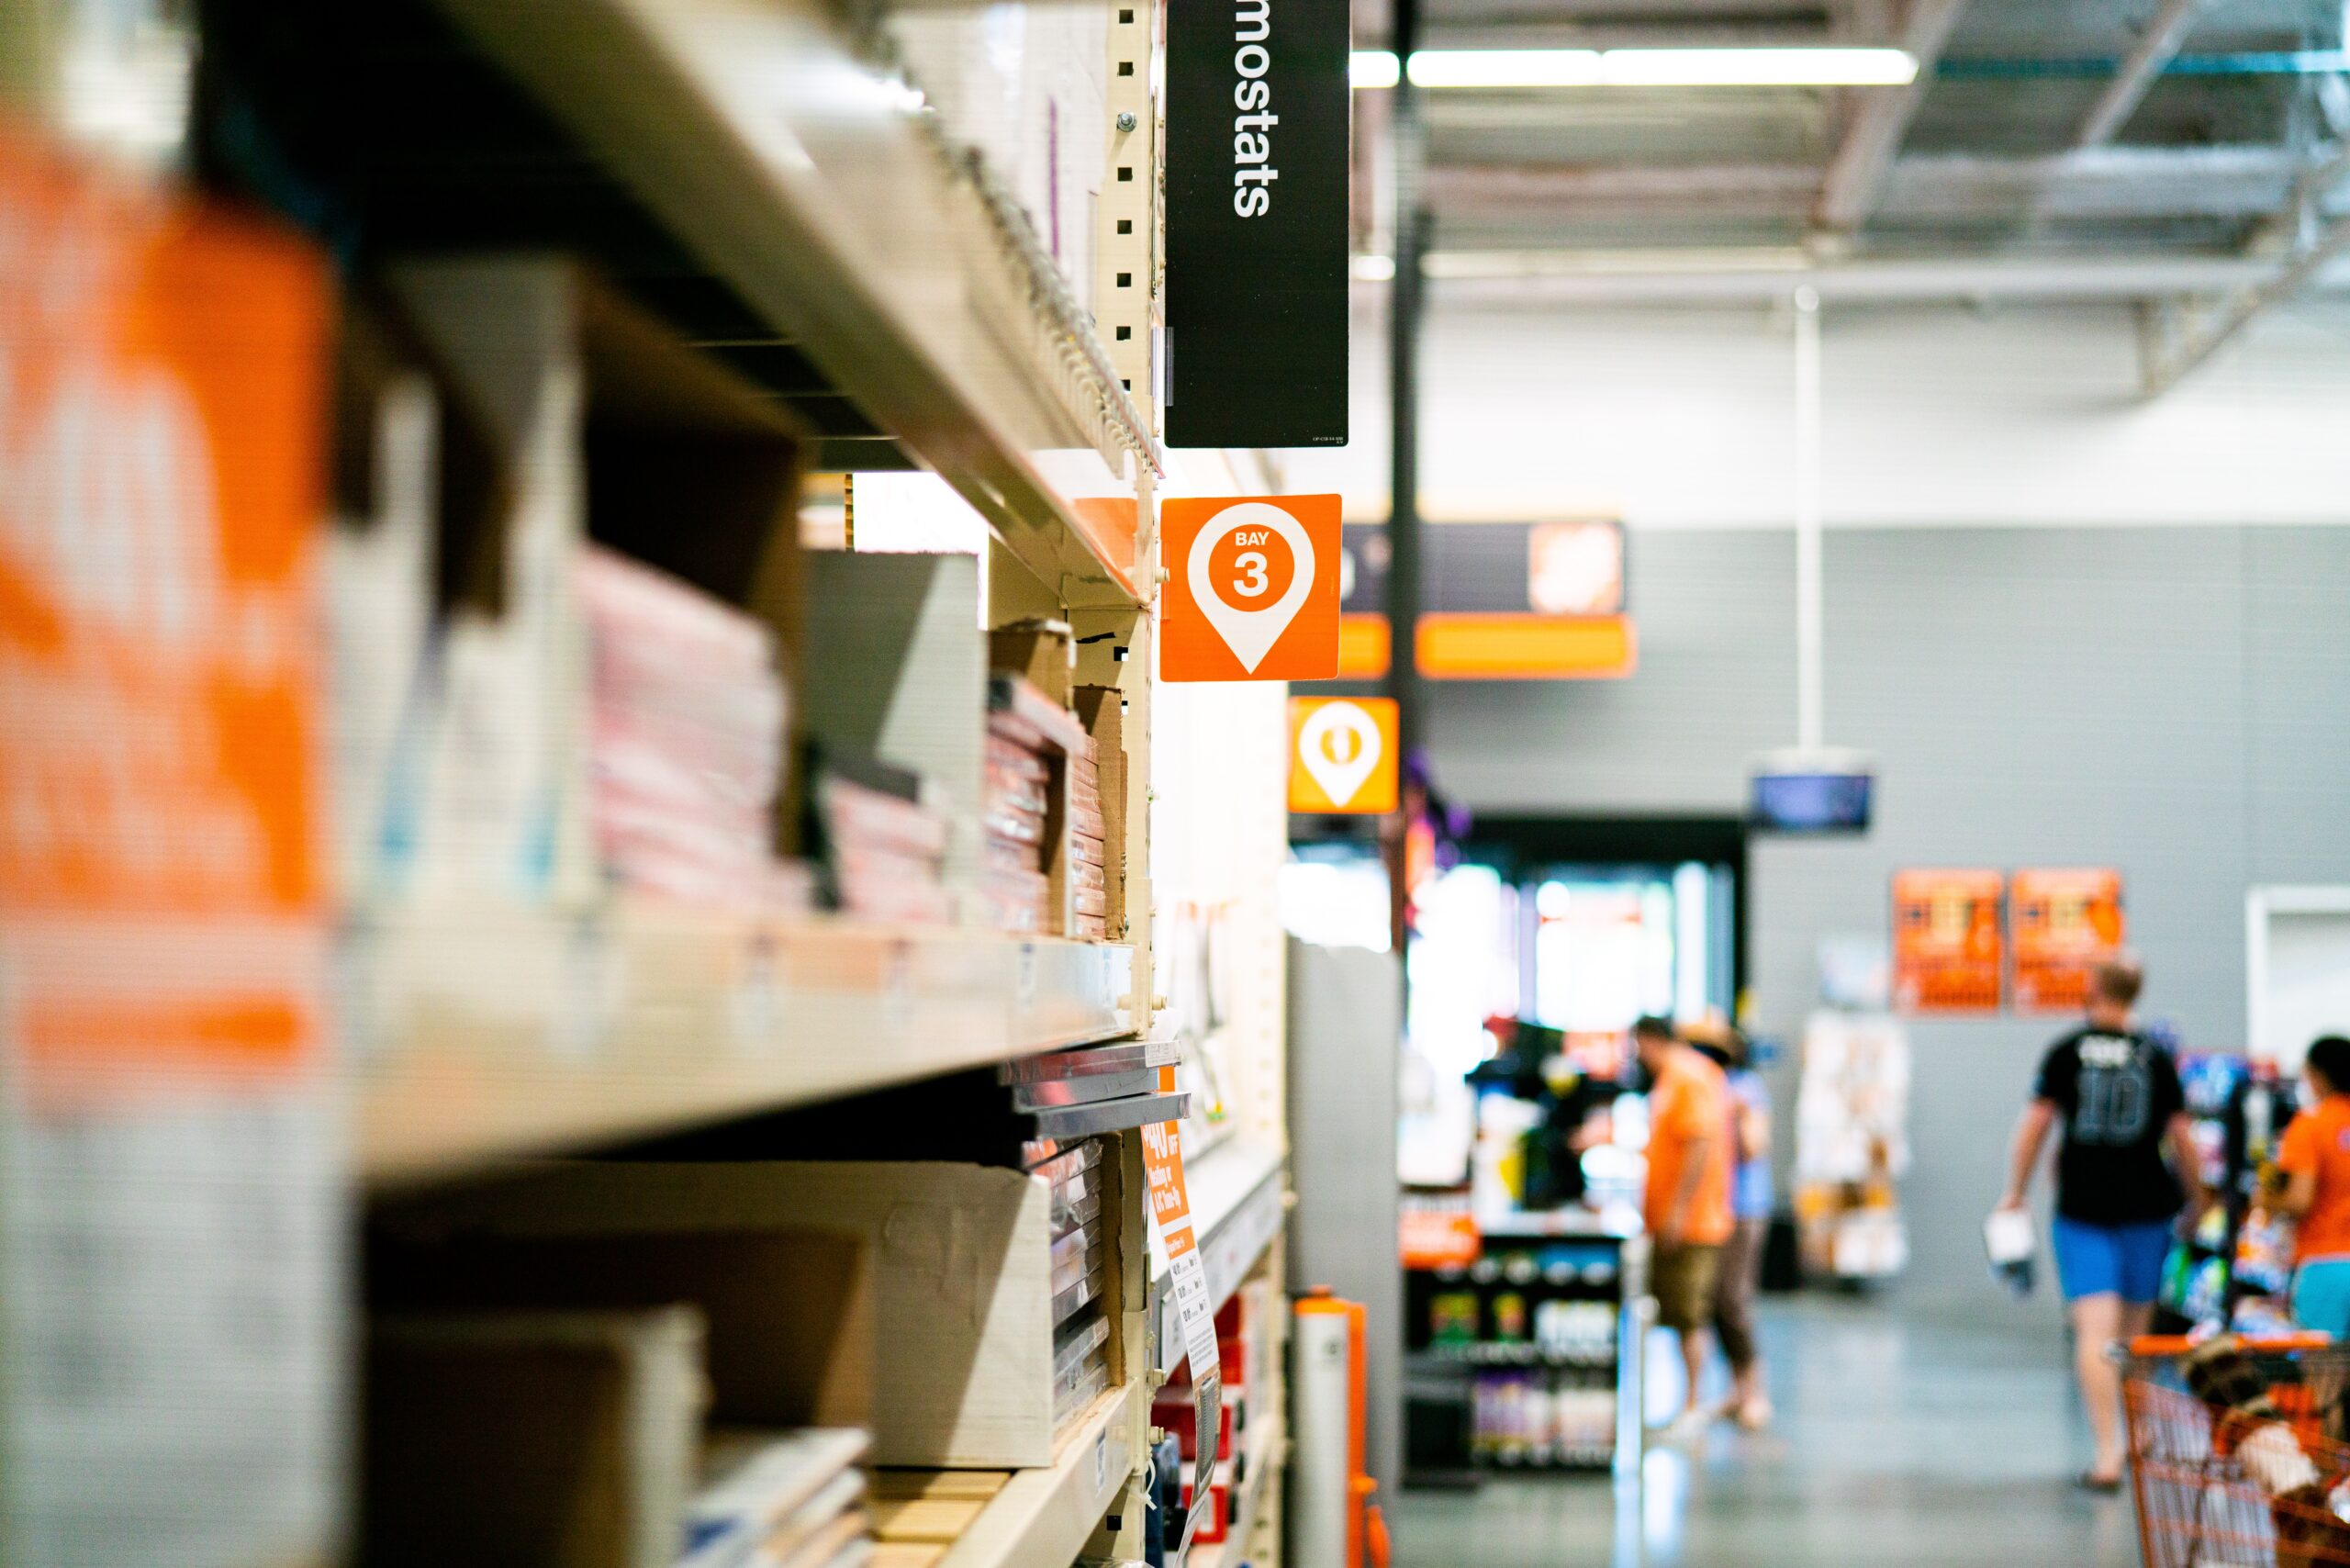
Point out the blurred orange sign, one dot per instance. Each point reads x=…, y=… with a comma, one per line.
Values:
x=2066, y=923
x=162, y=427
x=1946, y=941
x=1252, y=588
x=1342, y=754
x=1438, y=1237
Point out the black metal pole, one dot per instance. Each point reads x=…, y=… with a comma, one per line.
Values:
x=1404, y=428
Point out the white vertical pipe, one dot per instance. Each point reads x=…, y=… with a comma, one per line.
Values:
x=1321, y=1425
x=1810, y=697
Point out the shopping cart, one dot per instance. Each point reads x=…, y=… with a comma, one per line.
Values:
x=2238, y=1450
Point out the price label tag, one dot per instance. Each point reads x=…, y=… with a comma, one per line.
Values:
x=1170, y=1211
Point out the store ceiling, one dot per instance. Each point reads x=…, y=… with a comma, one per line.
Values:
x=2002, y=153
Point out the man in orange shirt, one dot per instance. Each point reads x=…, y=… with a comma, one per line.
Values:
x=2315, y=1159
x=1688, y=1199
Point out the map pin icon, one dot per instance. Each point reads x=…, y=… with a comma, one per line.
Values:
x=1250, y=631
x=1340, y=746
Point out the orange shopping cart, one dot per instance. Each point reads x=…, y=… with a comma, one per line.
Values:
x=2238, y=1449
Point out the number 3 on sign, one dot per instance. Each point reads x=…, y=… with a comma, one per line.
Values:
x=1252, y=588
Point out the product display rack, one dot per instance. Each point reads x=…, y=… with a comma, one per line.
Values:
x=1554, y=1309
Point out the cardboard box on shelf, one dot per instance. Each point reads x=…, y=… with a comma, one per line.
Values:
x=565, y=1440
x=962, y=1258
x=787, y=1314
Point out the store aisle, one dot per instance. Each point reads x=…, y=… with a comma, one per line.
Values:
x=1900, y=1439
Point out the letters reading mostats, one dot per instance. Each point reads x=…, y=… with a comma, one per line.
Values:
x=1253, y=173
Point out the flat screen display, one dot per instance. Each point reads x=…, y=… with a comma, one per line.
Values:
x=1810, y=802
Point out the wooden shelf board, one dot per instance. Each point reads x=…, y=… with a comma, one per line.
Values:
x=1046, y=1515
x=478, y=1036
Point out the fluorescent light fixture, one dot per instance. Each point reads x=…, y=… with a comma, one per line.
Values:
x=1756, y=68
x=1507, y=67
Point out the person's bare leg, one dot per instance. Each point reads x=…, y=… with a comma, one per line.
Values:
x=2098, y=1321
x=1696, y=1348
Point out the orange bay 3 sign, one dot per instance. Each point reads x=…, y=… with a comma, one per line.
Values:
x=1252, y=588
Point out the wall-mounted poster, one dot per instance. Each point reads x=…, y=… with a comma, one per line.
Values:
x=2066, y=923
x=1947, y=945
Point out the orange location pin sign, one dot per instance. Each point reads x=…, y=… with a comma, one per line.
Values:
x=1342, y=755
x=1252, y=588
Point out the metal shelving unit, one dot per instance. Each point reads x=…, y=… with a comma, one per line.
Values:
x=766, y=181
x=759, y=135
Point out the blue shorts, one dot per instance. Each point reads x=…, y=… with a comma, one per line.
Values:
x=2321, y=1296
x=2111, y=1259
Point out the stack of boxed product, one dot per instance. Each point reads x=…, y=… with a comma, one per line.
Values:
x=1089, y=897
x=789, y=1498
x=1029, y=831
x=1014, y=809
x=1080, y=1273
x=884, y=851
x=686, y=738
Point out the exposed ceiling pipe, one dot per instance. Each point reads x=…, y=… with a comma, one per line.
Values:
x=2238, y=182
x=1564, y=278
x=1811, y=679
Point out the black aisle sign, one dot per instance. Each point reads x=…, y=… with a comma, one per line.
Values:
x=1257, y=175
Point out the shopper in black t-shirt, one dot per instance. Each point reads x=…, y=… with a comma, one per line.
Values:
x=2116, y=1095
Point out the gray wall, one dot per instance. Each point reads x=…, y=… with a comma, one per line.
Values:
x=1345, y=1017
x=2173, y=702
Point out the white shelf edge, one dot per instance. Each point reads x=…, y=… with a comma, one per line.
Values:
x=1046, y=1515
x=1265, y=1457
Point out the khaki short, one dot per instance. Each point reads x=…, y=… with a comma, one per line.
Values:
x=1682, y=1278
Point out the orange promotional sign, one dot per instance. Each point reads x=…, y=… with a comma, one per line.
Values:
x=161, y=422
x=1252, y=588
x=1947, y=945
x=2066, y=923
x=1342, y=755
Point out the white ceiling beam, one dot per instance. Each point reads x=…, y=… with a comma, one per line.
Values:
x=1857, y=171
x=2100, y=183
x=2155, y=48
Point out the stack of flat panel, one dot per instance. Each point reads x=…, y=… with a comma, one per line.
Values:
x=780, y=1500
x=1066, y=1095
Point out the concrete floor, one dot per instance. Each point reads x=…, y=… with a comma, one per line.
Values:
x=1899, y=1440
